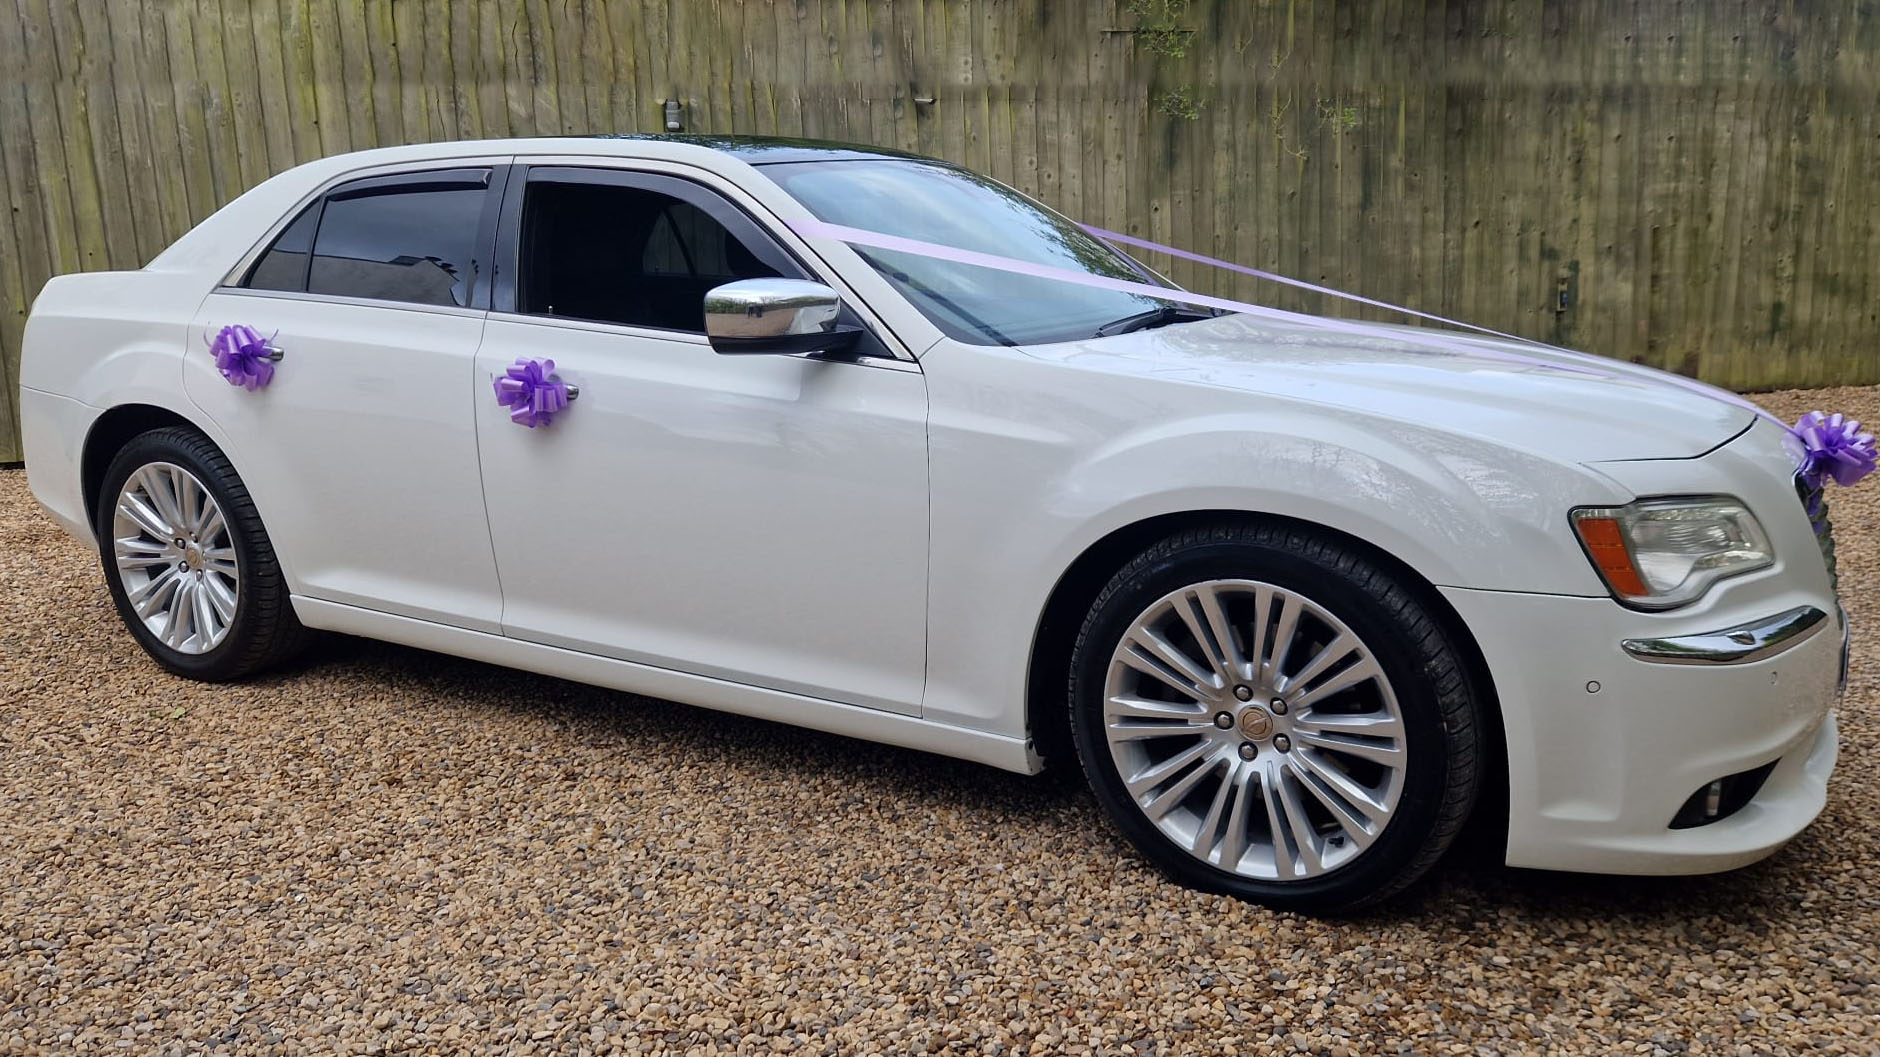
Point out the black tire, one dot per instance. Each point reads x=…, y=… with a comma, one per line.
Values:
x=1443, y=760
x=263, y=630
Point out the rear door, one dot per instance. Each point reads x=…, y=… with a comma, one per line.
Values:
x=361, y=452
x=759, y=518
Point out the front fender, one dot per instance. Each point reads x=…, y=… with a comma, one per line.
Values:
x=1030, y=470
x=1460, y=512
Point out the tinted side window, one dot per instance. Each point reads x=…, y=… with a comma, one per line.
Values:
x=284, y=265
x=618, y=254
x=687, y=241
x=414, y=242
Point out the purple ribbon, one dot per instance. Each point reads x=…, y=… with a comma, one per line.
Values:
x=1837, y=448
x=1431, y=340
x=1673, y=378
x=531, y=392
x=1565, y=360
x=243, y=356
x=1259, y=273
x=1835, y=445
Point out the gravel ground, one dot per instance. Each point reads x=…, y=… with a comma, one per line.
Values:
x=389, y=851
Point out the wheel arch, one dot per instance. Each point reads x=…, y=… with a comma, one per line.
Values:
x=1047, y=720
x=259, y=625
x=108, y=435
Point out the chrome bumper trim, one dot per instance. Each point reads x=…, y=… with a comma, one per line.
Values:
x=1742, y=644
x=1847, y=651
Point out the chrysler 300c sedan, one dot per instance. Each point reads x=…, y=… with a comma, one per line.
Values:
x=1298, y=599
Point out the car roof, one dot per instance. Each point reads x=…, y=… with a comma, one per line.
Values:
x=772, y=150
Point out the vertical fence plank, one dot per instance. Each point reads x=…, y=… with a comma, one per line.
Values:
x=104, y=139
x=14, y=297
x=25, y=256
x=489, y=31
x=71, y=110
x=41, y=129
x=121, y=39
x=337, y=101
x=396, y=51
x=268, y=45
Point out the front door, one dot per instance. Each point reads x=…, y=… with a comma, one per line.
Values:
x=761, y=519
x=361, y=451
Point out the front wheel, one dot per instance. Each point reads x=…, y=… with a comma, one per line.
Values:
x=1273, y=715
x=189, y=565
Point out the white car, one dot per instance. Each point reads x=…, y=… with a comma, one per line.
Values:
x=1300, y=602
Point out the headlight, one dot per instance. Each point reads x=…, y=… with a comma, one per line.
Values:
x=1660, y=553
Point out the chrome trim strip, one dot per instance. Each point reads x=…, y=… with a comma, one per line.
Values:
x=1741, y=644
x=625, y=330
x=688, y=337
x=1847, y=651
x=358, y=302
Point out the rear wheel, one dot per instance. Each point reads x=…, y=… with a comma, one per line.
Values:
x=189, y=565
x=1273, y=715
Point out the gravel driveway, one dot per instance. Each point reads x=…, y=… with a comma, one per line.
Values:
x=390, y=851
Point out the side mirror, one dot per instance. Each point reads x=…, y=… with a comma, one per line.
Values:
x=775, y=316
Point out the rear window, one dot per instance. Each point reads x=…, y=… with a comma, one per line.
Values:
x=411, y=239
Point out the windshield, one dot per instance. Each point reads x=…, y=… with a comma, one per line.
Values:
x=952, y=207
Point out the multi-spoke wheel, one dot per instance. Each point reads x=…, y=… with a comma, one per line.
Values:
x=1272, y=715
x=189, y=565
x=1254, y=729
x=175, y=557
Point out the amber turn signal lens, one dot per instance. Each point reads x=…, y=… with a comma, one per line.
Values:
x=1605, y=543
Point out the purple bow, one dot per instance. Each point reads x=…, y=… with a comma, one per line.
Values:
x=243, y=356
x=531, y=392
x=1837, y=448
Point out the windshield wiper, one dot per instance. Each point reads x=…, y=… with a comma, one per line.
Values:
x=1160, y=316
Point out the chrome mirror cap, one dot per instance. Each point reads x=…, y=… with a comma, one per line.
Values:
x=774, y=316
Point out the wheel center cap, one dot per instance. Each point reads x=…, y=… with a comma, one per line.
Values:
x=1256, y=723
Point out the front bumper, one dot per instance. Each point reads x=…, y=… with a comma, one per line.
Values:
x=1605, y=747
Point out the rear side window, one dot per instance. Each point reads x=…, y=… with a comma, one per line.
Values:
x=404, y=238
x=284, y=266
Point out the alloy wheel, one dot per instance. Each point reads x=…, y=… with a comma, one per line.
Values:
x=1255, y=730
x=176, y=558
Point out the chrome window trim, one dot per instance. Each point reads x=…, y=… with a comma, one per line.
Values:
x=686, y=337
x=1752, y=641
x=627, y=330
x=356, y=302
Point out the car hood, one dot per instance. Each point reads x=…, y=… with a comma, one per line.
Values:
x=1566, y=405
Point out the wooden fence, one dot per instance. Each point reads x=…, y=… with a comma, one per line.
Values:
x=1690, y=183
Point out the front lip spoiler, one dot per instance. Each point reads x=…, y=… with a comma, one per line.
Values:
x=1741, y=644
